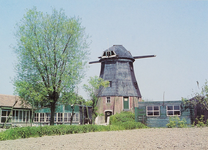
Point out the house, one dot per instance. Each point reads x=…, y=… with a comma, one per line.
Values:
x=63, y=115
x=157, y=113
x=19, y=114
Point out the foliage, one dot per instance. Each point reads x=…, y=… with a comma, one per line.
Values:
x=72, y=98
x=200, y=122
x=94, y=83
x=124, y=116
x=125, y=120
x=26, y=132
x=199, y=98
x=51, y=51
x=176, y=122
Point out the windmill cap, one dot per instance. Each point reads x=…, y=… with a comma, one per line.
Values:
x=120, y=51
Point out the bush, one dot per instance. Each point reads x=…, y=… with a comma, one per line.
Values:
x=176, y=122
x=200, y=121
x=122, y=117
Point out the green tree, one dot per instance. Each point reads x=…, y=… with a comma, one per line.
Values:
x=199, y=97
x=94, y=84
x=72, y=98
x=51, y=51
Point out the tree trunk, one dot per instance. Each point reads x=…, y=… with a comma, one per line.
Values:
x=53, y=107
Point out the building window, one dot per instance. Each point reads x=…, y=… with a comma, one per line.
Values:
x=173, y=110
x=48, y=117
x=20, y=116
x=153, y=110
x=76, y=117
x=15, y=115
x=69, y=117
x=41, y=117
x=55, y=117
x=36, y=117
x=5, y=114
x=108, y=99
x=60, y=117
x=66, y=119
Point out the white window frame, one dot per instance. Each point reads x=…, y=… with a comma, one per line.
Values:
x=108, y=100
x=42, y=118
x=60, y=117
x=47, y=117
x=76, y=117
x=153, y=111
x=7, y=114
x=36, y=117
x=173, y=110
x=55, y=117
x=66, y=119
x=14, y=117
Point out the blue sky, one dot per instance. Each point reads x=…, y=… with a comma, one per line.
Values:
x=174, y=30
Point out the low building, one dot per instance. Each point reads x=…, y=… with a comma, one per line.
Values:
x=157, y=113
x=21, y=113
x=17, y=113
x=63, y=115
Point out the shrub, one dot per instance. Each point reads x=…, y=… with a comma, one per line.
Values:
x=122, y=117
x=200, y=121
x=176, y=122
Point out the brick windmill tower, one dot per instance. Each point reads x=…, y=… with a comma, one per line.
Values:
x=123, y=92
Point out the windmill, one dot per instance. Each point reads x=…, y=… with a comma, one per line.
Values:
x=123, y=92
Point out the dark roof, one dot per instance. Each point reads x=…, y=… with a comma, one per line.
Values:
x=120, y=51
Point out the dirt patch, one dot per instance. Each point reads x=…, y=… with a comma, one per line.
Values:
x=158, y=138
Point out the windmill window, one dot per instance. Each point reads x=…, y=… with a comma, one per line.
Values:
x=153, y=111
x=108, y=99
x=135, y=85
x=110, y=84
x=107, y=54
x=173, y=110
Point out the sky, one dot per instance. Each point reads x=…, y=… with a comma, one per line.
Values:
x=176, y=31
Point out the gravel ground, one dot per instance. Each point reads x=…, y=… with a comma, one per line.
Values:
x=158, y=138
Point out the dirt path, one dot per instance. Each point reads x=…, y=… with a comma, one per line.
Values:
x=159, y=138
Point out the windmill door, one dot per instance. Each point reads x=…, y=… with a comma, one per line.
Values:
x=107, y=114
x=126, y=103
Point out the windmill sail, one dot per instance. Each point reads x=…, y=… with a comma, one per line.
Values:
x=145, y=56
x=93, y=62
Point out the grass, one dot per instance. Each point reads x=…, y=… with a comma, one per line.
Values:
x=27, y=132
x=122, y=121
